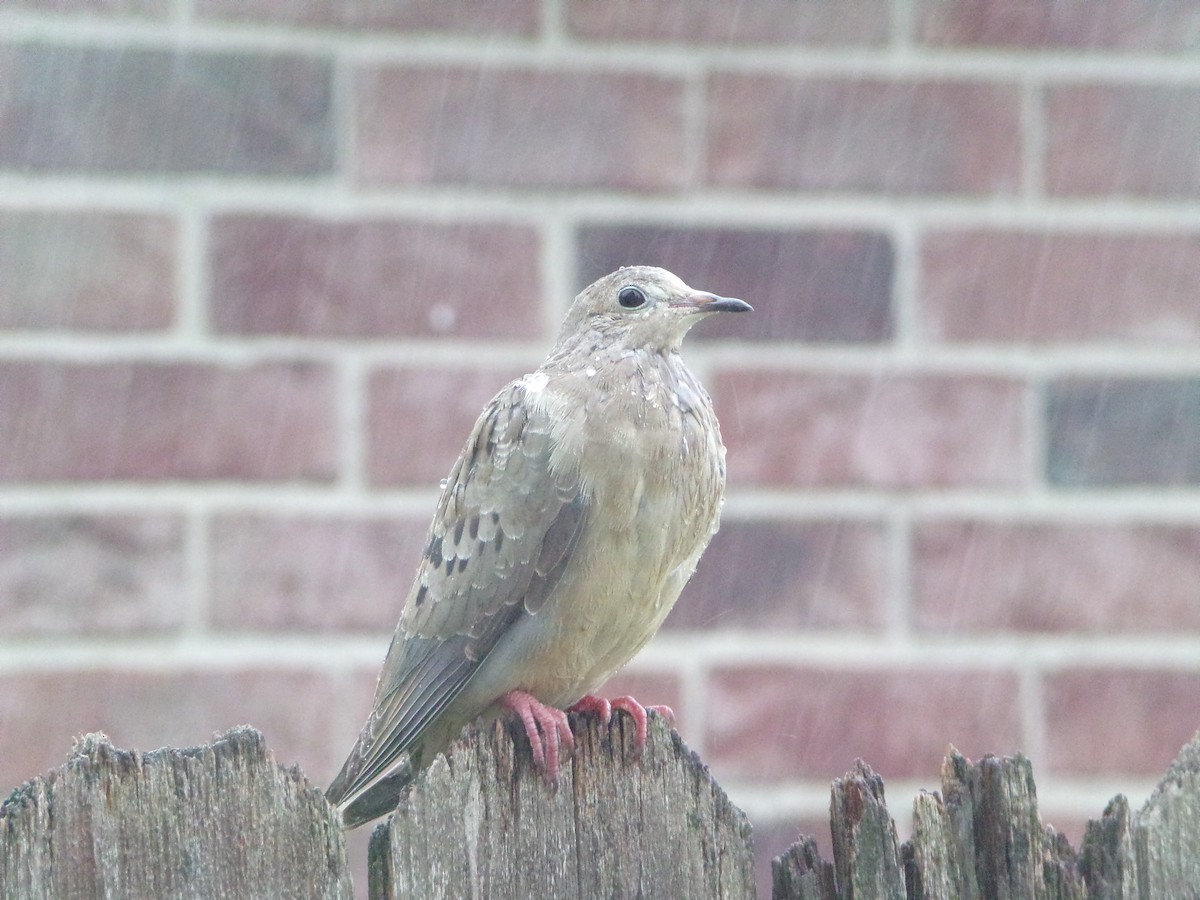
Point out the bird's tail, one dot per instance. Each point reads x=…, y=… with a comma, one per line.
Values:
x=379, y=799
x=361, y=803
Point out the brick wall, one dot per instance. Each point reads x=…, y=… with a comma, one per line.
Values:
x=263, y=261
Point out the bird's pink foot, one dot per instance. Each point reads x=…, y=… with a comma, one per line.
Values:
x=603, y=710
x=639, y=714
x=542, y=724
x=590, y=704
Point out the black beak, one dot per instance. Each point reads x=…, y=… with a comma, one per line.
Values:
x=702, y=301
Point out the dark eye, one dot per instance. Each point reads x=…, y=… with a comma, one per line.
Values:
x=631, y=297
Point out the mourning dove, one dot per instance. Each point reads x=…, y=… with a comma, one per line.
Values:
x=568, y=526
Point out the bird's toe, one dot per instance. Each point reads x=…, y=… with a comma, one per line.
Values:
x=546, y=727
x=591, y=705
x=640, y=716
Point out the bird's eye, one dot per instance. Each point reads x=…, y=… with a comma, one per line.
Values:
x=631, y=297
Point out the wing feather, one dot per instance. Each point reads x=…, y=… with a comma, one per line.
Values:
x=504, y=531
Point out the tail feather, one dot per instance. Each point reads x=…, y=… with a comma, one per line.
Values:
x=339, y=788
x=377, y=800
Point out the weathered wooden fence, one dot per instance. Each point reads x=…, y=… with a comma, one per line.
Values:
x=225, y=821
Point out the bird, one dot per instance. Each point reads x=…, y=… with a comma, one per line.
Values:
x=565, y=532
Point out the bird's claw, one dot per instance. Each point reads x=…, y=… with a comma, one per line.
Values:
x=590, y=704
x=604, y=709
x=546, y=727
x=549, y=730
x=640, y=716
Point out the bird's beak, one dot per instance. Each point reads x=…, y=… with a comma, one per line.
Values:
x=704, y=302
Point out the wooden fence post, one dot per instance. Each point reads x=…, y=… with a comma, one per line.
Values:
x=482, y=822
x=981, y=838
x=222, y=820
x=1154, y=852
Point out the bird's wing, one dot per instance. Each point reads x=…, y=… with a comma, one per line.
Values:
x=505, y=528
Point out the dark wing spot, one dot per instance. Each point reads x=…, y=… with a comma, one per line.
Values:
x=462, y=564
x=458, y=531
x=434, y=552
x=473, y=527
x=499, y=540
x=420, y=598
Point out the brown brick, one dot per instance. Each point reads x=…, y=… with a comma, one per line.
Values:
x=66, y=422
x=126, y=109
x=156, y=9
x=1073, y=24
x=850, y=22
x=1111, y=432
x=307, y=573
x=513, y=17
x=520, y=128
x=788, y=575
x=1040, y=576
x=298, y=712
x=811, y=428
x=1129, y=139
x=88, y=574
x=1025, y=286
x=446, y=403
x=804, y=285
x=784, y=722
x=87, y=271
x=905, y=137
x=1118, y=722
x=274, y=275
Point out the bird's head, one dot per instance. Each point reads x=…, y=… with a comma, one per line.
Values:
x=642, y=307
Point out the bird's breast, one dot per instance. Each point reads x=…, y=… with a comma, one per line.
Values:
x=651, y=465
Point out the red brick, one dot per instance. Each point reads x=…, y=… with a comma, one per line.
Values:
x=905, y=137
x=513, y=17
x=804, y=285
x=312, y=574
x=774, y=575
x=520, y=128
x=40, y=714
x=810, y=428
x=1118, y=722
x=126, y=110
x=1073, y=24
x=156, y=9
x=1026, y=286
x=1038, y=576
x=88, y=574
x=1128, y=139
x=445, y=401
x=86, y=271
x=1137, y=431
x=861, y=22
x=777, y=722
x=274, y=275
x=66, y=422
